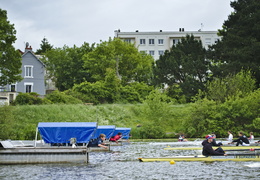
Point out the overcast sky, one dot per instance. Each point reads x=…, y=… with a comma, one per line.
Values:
x=69, y=22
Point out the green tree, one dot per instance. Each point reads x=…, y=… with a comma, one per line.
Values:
x=10, y=59
x=45, y=46
x=184, y=64
x=232, y=86
x=65, y=65
x=124, y=58
x=240, y=44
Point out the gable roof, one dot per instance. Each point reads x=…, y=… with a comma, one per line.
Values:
x=34, y=56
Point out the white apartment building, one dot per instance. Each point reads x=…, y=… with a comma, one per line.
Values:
x=155, y=43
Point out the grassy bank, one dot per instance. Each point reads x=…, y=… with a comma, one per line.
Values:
x=20, y=122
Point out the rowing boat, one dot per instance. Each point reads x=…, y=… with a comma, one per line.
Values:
x=223, y=147
x=237, y=157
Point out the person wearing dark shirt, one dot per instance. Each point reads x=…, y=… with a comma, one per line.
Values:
x=242, y=140
x=214, y=143
x=98, y=142
x=208, y=150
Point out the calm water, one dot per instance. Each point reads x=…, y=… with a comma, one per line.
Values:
x=122, y=163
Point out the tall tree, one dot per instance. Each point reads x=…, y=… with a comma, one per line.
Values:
x=65, y=65
x=10, y=59
x=184, y=64
x=240, y=44
x=45, y=46
x=124, y=58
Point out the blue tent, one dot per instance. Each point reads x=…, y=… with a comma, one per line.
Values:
x=125, y=132
x=61, y=132
x=107, y=130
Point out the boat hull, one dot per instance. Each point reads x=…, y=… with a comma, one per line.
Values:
x=43, y=155
x=245, y=157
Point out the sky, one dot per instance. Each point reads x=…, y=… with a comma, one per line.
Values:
x=73, y=22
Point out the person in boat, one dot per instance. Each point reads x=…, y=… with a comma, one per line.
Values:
x=116, y=137
x=242, y=140
x=208, y=150
x=230, y=136
x=251, y=137
x=182, y=138
x=99, y=142
x=214, y=142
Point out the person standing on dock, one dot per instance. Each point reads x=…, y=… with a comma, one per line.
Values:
x=208, y=150
x=230, y=136
x=242, y=140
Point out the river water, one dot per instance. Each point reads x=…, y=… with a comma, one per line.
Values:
x=122, y=163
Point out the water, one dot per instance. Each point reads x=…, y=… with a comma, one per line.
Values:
x=122, y=163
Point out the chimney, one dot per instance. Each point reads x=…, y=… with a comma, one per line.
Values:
x=27, y=47
x=179, y=29
x=182, y=29
x=136, y=31
x=160, y=30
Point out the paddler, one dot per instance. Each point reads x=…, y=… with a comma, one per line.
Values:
x=208, y=150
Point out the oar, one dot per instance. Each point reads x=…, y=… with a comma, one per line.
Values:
x=242, y=149
x=244, y=154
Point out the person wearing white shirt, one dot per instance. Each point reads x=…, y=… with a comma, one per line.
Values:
x=230, y=136
x=251, y=137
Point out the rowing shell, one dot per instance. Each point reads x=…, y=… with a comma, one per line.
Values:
x=223, y=147
x=241, y=157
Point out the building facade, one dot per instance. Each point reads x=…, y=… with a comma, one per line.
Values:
x=33, y=74
x=155, y=43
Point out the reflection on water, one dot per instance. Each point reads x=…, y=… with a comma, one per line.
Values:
x=122, y=163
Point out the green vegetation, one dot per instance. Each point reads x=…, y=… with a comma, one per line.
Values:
x=10, y=59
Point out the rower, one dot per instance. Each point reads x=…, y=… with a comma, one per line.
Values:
x=214, y=143
x=182, y=138
x=208, y=150
x=242, y=139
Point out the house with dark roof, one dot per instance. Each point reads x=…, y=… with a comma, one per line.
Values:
x=33, y=74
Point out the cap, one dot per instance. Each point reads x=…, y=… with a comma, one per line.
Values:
x=209, y=137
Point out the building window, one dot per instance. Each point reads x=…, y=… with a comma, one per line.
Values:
x=13, y=89
x=175, y=41
x=28, y=71
x=160, y=52
x=151, y=53
x=208, y=41
x=160, y=41
x=143, y=52
x=142, y=41
x=28, y=87
x=151, y=41
x=128, y=40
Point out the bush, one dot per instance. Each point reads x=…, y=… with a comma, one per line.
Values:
x=28, y=99
x=60, y=97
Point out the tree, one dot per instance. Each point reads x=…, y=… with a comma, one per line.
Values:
x=240, y=44
x=124, y=58
x=184, y=64
x=10, y=59
x=65, y=65
x=45, y=46
x=232, y=86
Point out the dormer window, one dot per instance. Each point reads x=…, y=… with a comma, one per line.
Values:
x=28, y=71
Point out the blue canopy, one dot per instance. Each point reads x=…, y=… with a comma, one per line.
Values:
x=107, y=130
x=61, y=132
x=125, y=132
